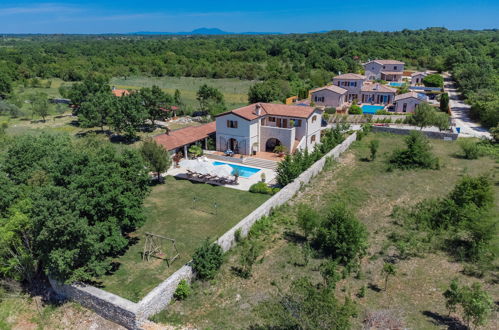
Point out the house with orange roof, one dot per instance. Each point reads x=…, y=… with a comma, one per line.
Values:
x=352, y=82
x=329, y=96
x=260, y=127
x=119, y=92
x=409, y=101
x=388, y=70
x=180, y=140
x=376, y=93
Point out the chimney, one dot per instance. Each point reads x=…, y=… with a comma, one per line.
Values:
x=258, y=109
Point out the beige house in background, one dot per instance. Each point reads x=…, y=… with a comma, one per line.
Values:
x=329, y=96
x=388, y=70
x=263, y=126
x=408, y=102
x=417, y=78
x=352, y=82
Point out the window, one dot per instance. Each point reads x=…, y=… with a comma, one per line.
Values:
x=312, y=139
x=353, y=83
x=344, y=83
x=232, y=123
x=404, y=107
x=394, y=68
x=384, y=67
x=318, y=98
x=272, y=119
x=297, y=122
x=314, y=118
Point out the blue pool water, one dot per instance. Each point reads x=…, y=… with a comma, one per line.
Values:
x=396, y=84
x=245, y=172
x=371, y=109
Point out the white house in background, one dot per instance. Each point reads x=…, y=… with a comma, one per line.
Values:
x=329, y=96
x=417, y=78
x=388, y=70
x=352, y=82
x=408, y=102
x=263, y=126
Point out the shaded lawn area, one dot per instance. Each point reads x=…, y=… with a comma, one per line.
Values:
x=170, y=212
x=371, y=192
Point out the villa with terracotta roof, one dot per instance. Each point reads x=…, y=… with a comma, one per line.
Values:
x=352, y=82
x=388, y=70
x=329, y=96
x=417, y=78
x=376, y=93
x=120, y=92
x=260, y=127
x=180, y=140
x=408, y=102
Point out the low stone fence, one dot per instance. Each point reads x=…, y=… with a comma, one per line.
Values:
x=406, y=131
x=130, y=314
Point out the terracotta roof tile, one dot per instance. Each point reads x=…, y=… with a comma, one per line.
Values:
x=332, y=88
x=185, y=136
x=409, y=95
x=120, y=92
x=418, y=74
x=383, y=62
x=350, y=76
x=377, y=88
x=249, y=112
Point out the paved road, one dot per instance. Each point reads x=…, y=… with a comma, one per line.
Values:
x=460, y=112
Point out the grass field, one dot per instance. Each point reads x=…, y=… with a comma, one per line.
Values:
x=235, y=90
x=170, y=211
x=371, y=191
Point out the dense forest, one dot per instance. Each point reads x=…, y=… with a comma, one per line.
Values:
x=302, y=60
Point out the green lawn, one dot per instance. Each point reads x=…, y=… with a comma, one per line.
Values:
x=170, y=212
x=235, y=90
x=371, y=192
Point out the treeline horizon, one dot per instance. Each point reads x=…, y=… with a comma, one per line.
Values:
x=302, y=60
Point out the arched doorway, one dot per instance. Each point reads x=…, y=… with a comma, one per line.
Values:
x=271, y=144
x=233, y=145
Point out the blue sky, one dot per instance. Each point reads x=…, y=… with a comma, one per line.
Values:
x=80, y=16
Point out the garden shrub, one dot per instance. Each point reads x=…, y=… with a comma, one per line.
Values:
x=417, y=155
x=262, y=188
x=330, y=111
x=207, y=259
x=470, y=149
x=354, y=110
x=183, y=290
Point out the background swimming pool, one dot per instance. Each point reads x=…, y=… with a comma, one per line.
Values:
x=396, y=84
x=371, y=109
x=245, y=172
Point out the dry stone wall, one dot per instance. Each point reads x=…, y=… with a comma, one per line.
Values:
x=406, y=131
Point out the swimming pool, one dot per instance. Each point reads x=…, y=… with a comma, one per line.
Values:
x=245, y=172
x=396, y=84
x=371, y=109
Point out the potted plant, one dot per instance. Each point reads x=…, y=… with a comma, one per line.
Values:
x=280, y=150
x=254, y=148
x=291, y=123
x=263, y=176
x=236, y=173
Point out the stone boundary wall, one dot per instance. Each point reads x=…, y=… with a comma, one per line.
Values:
x=406, y=131
x=106, y=304
x=130, y=314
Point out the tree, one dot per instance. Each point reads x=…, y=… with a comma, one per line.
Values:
x=355, y=110
x=5, y=85
x=373, y=147
x=156, y=156
x=154, y=99
x=129, y=115
x=177, y=99
x=341, y=235
x=39, y=104
x=211, y=100
x=85, y=90
x=251, y=249
x=308, y=219
x=417, y=155
x=444, y=102
x=9, y=109
x=195, y=151
x=433, y=80
x=329, y=273
x=388, y=270
x=207, y=259
x=267, y=91
x=476, y=303
x=423, y=115
x=441, y=121
x=97, y=111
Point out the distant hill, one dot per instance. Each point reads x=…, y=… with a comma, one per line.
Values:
x=201, y=31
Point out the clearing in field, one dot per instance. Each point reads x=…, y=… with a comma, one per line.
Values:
x=186, y=212
x=415, y=293
x=235, y=91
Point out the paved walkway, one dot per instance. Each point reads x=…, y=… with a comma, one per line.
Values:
x=460, y=112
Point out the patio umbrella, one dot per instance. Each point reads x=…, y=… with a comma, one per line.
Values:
x=188, y=164
x=223, y=170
